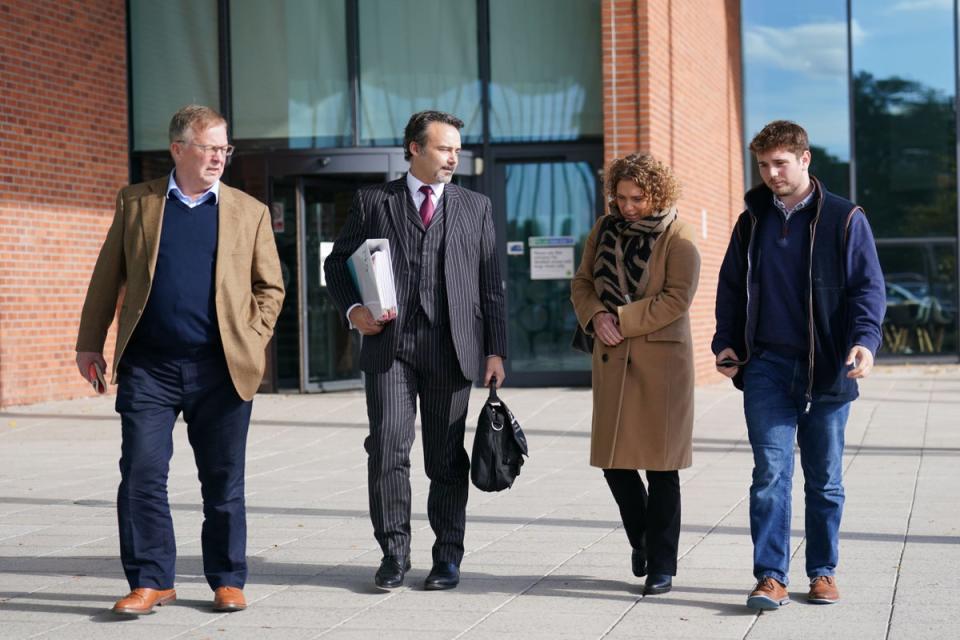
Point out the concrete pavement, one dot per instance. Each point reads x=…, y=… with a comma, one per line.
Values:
x=546, y=559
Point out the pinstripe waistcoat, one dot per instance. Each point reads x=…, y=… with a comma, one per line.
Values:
x=471, y=273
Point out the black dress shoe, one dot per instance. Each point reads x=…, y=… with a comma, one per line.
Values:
x=638, y=562
x=391, y=571
x=444, y=575
x=657, y=583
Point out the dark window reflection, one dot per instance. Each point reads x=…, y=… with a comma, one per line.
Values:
x=906, y=156
x=905, y=143
x=921, y=296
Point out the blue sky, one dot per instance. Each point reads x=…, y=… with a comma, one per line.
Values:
x=795, y=58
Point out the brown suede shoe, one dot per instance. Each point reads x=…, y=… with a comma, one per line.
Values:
x=229, y=599
x=768, y=594
x=141, y=601
x=823, y=590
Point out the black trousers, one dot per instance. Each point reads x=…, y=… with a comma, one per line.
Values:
x=426, y=368
x=652, y=521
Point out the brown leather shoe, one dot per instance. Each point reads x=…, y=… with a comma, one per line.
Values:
x=768, y=594
x=823, y=590
x=229, y=599
x=142, y=600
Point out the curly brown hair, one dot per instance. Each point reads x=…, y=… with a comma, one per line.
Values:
x=654, y=178
x=781, y=134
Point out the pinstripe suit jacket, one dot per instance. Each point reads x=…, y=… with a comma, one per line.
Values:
x=471, y=272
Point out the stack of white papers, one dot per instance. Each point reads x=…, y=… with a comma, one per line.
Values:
x=372, y=273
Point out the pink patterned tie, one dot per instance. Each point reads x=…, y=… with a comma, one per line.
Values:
x=426, y=207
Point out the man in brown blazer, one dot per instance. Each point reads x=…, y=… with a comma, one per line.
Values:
x=198, y=267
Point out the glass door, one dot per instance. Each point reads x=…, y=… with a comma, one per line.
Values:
x=315, y=350
x=310, y=195
x=550, y=206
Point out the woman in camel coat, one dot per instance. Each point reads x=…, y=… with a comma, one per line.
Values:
x=632, y=293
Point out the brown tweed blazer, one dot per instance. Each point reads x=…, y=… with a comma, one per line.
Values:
x=249, y=287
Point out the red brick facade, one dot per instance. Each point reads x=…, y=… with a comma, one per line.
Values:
x=672, y=87
x=63, y=149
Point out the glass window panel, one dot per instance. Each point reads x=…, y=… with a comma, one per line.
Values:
x=289, y=72
x=905, y=131
x=921, y=287
x=795, y=67
x=545, y=199
x=545, y=70
x=173, y=59
x=416, y=55
x=905, y=120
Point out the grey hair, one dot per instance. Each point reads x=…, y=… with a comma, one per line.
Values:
x=193, y=117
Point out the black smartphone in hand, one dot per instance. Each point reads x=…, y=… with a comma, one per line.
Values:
x=728, y=362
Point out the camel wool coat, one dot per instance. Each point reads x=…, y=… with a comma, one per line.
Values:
x=643, y=387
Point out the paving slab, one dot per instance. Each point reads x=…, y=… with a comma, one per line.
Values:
x=546, y=559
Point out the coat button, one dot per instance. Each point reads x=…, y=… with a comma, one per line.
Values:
x=604, y=357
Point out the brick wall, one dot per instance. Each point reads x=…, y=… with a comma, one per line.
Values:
x=672, y=85
x=63, y=155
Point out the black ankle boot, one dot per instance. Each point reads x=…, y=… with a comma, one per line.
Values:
x=657, y=583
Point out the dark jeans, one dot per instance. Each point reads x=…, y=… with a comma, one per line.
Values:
x=152, y=393
x=652, y=522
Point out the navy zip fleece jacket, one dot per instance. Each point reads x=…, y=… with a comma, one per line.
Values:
x=844, y=291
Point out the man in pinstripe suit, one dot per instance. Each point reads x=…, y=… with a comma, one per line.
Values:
x=450, y=321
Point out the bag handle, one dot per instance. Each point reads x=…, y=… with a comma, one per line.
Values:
x=493, y=399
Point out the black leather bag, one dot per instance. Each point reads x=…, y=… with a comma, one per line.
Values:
x=498, y=446
x=581, y=341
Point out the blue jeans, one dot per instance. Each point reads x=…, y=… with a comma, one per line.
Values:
x=773, y=400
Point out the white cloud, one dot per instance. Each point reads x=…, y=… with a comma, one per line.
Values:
x=921, y=5
x=815, y=49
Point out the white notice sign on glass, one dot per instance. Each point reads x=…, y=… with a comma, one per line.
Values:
x=551, y=263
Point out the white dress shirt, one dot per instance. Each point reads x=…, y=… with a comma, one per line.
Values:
x=414, y=184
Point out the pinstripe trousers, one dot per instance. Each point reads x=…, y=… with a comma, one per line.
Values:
x=426, y=366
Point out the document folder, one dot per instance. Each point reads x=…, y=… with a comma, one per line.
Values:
x=372, y=273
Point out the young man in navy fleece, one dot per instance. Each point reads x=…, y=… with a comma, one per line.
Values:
x=800, y=301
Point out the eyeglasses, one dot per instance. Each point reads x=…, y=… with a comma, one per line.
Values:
x=210, y=149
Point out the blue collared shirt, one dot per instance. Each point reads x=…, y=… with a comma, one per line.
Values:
x=174, y=189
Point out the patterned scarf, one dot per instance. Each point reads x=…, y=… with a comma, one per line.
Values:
x=623, y=248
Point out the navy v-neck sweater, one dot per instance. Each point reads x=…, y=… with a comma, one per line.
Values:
x=180, y=317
